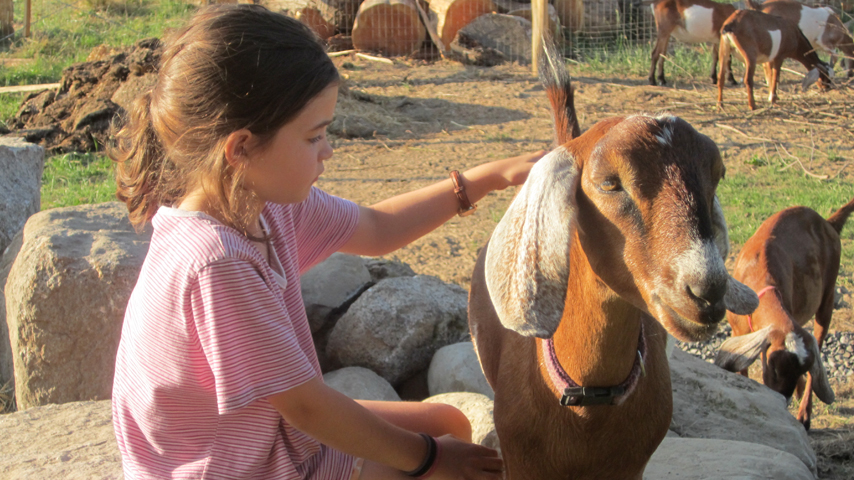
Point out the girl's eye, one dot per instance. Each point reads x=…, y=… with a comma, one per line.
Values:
x=316, y=139
x=610, y=185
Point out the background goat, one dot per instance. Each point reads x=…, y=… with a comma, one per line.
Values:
x=796, y=252
x=820, y=25
x=614, y=234
x=689, y=21
x=766, y=39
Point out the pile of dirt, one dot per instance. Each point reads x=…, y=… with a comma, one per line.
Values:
x=78, y=117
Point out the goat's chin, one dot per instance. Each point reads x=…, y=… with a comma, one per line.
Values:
x=680, y=327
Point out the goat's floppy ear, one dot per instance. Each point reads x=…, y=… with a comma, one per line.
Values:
x=739, y=299
x=820, y=384
x=527, y=261
x=738, y=353
x=811, y=77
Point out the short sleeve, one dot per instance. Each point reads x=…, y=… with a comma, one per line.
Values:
x=323, y=223
x=246, y=335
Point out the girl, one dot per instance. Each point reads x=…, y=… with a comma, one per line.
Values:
x=216, y=373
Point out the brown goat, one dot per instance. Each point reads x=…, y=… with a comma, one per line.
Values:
x=794, y=258
x=820, y=25
x=689, y=21
x=766, y=39
x=614, y=234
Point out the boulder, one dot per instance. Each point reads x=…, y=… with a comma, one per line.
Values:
x=712, y=403
x=7, y=368
x=702, y=459
x=73, y=441
x=455, y=368
x=360, y=384
x=478, y=409
x=65, y=300
x=381, y=268
x=396, y=326
x=22, y=165
x=331, y=285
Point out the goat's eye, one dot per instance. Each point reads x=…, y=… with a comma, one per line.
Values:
x=610, y=185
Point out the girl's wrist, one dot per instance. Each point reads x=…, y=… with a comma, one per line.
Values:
x=430, y=459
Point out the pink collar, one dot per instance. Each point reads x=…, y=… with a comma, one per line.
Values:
x=759, y=295
x=578, y=396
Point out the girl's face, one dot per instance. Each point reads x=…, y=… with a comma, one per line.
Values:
x=284, y=170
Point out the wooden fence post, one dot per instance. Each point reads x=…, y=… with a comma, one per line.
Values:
x=6, y=18
x=539, y=23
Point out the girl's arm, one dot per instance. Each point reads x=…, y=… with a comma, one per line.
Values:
x=397, y=221
x=341, y=423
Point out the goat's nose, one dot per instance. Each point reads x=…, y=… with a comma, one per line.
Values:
x=709, y=296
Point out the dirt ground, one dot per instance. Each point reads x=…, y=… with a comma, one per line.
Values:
x=405, y=125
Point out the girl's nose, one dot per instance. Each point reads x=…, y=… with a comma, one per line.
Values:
x=326, y=151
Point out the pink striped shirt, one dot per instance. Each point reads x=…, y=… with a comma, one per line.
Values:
x=209, y=334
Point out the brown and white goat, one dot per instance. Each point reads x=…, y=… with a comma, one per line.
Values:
x=793, y=258
x=615, y=239
x=689, y=21
x=820, y=25
x=766, y=39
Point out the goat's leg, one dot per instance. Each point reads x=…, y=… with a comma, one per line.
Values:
x=715, y=60
x=660, y=48
x=805, y=407
x=730, y=78
x=724, y=54
x=775, y=74
x=750, y=69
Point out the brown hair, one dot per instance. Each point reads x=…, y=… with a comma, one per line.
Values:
x=231, y=67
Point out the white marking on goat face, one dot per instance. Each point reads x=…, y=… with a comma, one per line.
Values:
x=795, y=344
x=702, y=260
x=698, y=26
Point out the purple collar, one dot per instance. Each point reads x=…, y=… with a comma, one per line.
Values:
x=578, y=396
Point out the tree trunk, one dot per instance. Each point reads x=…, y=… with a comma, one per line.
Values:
x=391, y=27
x=449, y=16
x=340, y=13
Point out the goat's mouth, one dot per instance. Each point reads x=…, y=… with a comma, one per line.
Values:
x=703, y=325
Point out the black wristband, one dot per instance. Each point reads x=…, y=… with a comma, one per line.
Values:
x=428, y=459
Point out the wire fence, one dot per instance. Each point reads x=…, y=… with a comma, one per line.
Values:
x=435, y=28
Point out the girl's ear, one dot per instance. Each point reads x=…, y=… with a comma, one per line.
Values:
x=237, y=147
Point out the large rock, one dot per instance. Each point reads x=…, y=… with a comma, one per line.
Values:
x=478, y=409
x=65, y=300
x=709, y=402
x=361, y=384
x=22, y=165
x=455, y=368
x=330, y=285
x=74, y=441
x=396, y=326
x=7, y=368
x=703, y=459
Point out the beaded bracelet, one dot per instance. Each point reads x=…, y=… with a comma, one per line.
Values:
x=429, y=460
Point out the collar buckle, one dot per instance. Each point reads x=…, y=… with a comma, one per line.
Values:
x=584, y=396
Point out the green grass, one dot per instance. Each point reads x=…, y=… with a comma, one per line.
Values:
x=74, y=179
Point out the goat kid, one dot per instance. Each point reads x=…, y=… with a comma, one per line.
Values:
x=766, y=39
x=820, y=25
x=615, y=233
x=689, y=21
x=794, y=258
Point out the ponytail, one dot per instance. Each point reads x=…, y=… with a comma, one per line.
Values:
x=140, y=163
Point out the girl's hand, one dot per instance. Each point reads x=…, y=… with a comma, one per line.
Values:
x=462, y=460
x=514, y=170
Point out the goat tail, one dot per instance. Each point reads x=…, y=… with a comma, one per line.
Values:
x=754, y=5
x=555, y=78
x=838, y=219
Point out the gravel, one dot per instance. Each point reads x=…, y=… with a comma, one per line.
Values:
x=837, y=351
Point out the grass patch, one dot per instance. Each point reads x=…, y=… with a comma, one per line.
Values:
x=749, y=199
x=74, y=179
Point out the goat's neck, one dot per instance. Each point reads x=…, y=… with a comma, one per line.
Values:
x=597, y=340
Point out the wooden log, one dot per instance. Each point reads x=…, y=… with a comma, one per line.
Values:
x=509, y=34
x=314, y=19
x=391, y=27
x=449, y=16
x=340, y=13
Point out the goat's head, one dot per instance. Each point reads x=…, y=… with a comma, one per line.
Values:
x=638, y=195
x=786, y=356
x=822, y=71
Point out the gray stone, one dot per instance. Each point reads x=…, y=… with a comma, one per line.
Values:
x=396, y=326
x=703, y=459
x=455, y=368
x=361, y=384
x=22, y=165
x=73, y=441
x=478, y=409
x=65, y=300
x=508, y=34
x=381, y=268
x=712, y=403
x=330, y=284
